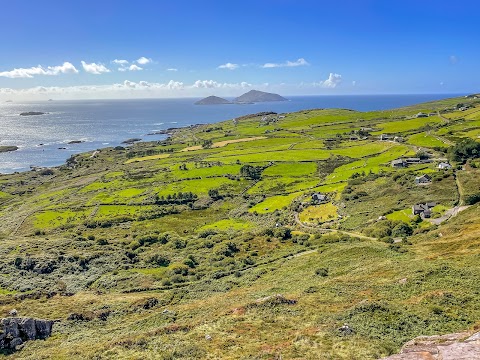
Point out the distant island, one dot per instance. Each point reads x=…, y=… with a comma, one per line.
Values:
x=253, y=96
x=8, y=148
x=32, y=113
x=213, y=100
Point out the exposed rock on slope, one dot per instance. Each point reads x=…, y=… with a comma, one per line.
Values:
x=213, y=100
x=460, y=346
x=15, y=331
x=258, y=96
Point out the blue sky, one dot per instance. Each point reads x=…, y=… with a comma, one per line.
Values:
x=178, y=48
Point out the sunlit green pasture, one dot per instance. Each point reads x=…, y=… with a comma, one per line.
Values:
x=273, y=203
x=201, y=186
x=402, y=215
x=305, y=154
x=425, y=140
x=282, y=185
x=228, y=224
x=373, y=164
x=53, y=219
x=292, y=169
x=406, y=125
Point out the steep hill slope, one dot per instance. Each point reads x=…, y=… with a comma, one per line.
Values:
x=216, y=243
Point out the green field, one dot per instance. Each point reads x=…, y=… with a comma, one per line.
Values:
x=426, y=140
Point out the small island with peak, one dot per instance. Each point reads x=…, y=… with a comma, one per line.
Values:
x=213, y=100
x=251, y=97
x=254, y=96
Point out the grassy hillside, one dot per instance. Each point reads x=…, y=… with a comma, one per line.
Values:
x=178, y=249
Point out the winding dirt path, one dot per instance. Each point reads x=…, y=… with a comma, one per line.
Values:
x=297, y=220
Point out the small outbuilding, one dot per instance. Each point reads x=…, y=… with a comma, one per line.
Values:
x=444, y=166
x=399, y=163
x=319, y=197
x=413, y=161
x=424, y=210
x=424, y=179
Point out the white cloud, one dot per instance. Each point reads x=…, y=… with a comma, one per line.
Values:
x=120, y=62
x=207, y=84
x=65, y=68
x=127, y=89
x=94, y=68
x=332, y=82
x=453, y=59
x=172, y=69
x=299, y=62
x=228, y=66
x=134, y=67
x=144, y=61
x=354, y=83
x=211, y=84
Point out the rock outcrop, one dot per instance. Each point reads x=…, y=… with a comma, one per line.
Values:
x=459, y=346
x=17, y=330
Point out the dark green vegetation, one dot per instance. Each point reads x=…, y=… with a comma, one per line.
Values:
x=173, y=250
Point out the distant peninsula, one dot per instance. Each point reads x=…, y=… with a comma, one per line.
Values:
x=32, y=113
x=213, y=100
x=254, y=96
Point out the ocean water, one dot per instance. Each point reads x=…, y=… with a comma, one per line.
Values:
x=102, y=123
